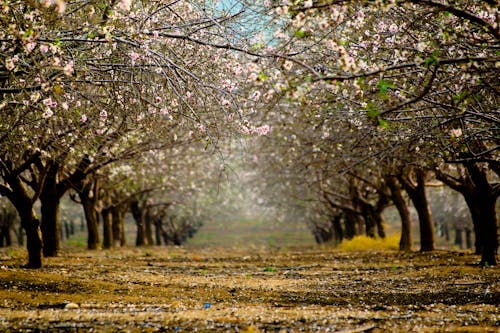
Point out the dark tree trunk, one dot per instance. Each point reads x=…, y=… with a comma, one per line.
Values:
x=88, y=192
x=489, y=232
x=7, y=219
x=369, y=223
x=350, y=222
x=459, y=239
x=19, y=197
x=107, y=228
x=50, y=199
x=405, y=242
x=139, y=215
x=473, y=202
x=118, y=222
x=480, y=197
x=468, y=238
x=92, y=218
x=34, y=241
x=149, y=227
x=337, y=228
x=419, y=198
x=485, y=216
x=157, y=223
x=51, y=225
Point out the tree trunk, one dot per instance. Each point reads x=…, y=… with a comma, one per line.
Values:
x=486, y=217
x=107, y=228
x=149, y=227
x=19, y=197
x=480, y=197
x=419, y=198
x=157, y=223
x=405, y=242
x=92, y=218
x=337, y=227
x=50, y=200
x=139, y=216
x=488, y=232
x=34, y=241
x=118, y=217
x=88, y=192
x=350, y=222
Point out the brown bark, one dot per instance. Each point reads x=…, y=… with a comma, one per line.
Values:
x=50, y=199
x=486, y=205
x=149, y=227
x=88, y=193
x=139, y=214
x=480, y=197
x=418, y=197
x=405, y=242
x=107, y=228
x=19, y=197
x=118, y=222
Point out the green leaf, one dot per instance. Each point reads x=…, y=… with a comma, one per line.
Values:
x=372, y=111
x=269, y=269
x=383, y=124
x=433, y=60
x=301, y=34
x=384, y=86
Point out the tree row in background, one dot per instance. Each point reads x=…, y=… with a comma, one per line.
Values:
x=376, y=102
x=360, y=106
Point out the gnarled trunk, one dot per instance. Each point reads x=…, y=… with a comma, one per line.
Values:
x=89, y=199
x=118, y=222
x=487, y=218
x=51, y=224
x=139, y=215
x=405, y=241
x=107, y=228
x=419, y=199
x=50, y=199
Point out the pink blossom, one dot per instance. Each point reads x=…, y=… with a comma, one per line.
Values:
x=47, y=113
x=30, y=46
x=103, y=115
x=10, y=64
x=84, y=118
x=134, y=56
x=126, y=4
x=263, y=130
x=50, y=103
x=68, y=69
x=256, y=95
x=393, y=28
x=44, y=48
x=156, y=34
x=245, y=130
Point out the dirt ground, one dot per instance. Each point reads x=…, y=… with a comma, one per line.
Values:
x=312, y=290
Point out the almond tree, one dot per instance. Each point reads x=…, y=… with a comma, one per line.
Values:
x=85, y=85
x=422, y=73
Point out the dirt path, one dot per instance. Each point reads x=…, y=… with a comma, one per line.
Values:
x=169, y=290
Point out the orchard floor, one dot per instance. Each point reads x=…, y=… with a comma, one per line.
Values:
x=312, y=290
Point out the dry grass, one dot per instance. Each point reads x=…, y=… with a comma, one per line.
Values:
x=365, y=243
x=174, y=289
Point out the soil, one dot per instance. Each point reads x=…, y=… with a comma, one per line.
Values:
x=311, y=290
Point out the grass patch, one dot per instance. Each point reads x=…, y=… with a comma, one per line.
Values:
x=364, y=243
